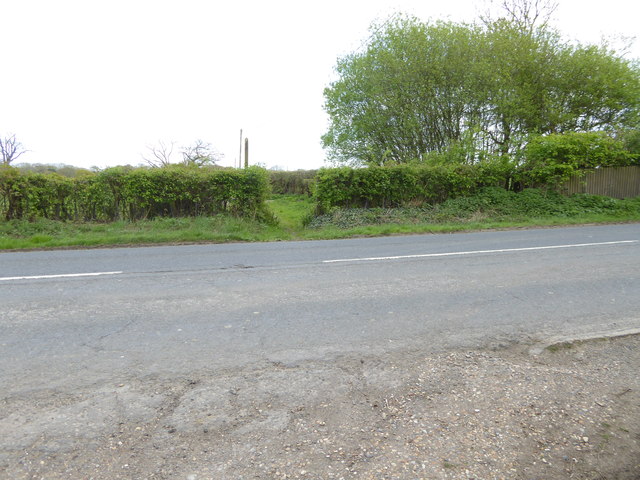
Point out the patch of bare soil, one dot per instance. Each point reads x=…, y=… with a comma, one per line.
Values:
x=572, y=412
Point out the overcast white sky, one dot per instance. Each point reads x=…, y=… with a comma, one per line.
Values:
x=92, y=83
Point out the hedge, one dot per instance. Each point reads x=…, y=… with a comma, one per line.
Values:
x=404, y=185
x=125, y=193
x=551, y=160
x=297, y=182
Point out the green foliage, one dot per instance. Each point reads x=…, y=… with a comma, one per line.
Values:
x=404, y=96
x=553, y=159
x=41, y=233
x=488, y=205
x=420, y=88
x=631, y=140
x=404, y=184
x=132, y=194
x=59, y=168
x=488, y=208
x=298, y=182
x=292, y=211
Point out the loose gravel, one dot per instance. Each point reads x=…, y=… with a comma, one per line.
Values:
x=571, y=412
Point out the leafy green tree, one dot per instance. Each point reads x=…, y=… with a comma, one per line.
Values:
x=516, y=68
x=419, y=88
x=631, y=140
x=597, y=90
x=404, y=96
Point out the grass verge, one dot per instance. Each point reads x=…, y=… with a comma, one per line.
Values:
x=490, y=209
x=44, y=233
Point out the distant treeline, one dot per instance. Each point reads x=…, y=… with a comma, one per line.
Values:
x=59, y=168
x=299, y=182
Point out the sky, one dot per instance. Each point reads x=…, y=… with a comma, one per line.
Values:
x=95, y=83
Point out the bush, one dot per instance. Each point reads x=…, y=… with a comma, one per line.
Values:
x=298, y=182
x=553, y=159
x=406, y=184
x=631, y=141
x=491, y=203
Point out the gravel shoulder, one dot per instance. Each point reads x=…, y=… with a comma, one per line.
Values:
x=572, y=411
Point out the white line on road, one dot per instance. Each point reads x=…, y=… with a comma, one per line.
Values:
x=65, y=275
x=473, y=252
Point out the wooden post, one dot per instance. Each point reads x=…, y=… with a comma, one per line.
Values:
x=240, y=154
x=246, y=153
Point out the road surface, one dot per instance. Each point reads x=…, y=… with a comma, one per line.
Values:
x=117, y=362
x=179, y=308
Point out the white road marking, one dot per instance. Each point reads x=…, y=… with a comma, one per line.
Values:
x=65, y=275
x=473, y=252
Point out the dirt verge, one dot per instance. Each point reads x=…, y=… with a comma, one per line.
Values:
x=571, y=412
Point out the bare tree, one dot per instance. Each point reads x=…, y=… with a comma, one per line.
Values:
x=529, y=14
x=159, y=155
x=200, y=153
x=10, y=149
x=526, y=14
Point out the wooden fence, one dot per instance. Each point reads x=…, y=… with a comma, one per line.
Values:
x=616, y=182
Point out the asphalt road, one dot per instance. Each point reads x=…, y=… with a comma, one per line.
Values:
x=75, y=318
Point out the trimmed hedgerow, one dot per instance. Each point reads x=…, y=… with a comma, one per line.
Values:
x=407, y=184
x=125, y=193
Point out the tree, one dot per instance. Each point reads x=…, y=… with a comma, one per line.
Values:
x=631, y=141
x=481, y=89
x=10, y=149
x=526, y=15
x=406, y=95
x=200, y=153
x=598, y=91
x=159, y=155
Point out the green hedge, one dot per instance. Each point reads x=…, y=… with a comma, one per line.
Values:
x=403, y=185
x=550, y=160
x=298, y=182
x=133, y=193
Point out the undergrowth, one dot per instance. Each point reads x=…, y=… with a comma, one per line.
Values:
x=490, y=205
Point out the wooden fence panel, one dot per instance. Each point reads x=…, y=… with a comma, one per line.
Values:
x=616, y=182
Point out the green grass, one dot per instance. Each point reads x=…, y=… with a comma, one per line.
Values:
x=490, y=209
x=51, y=234
x=291, y=211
